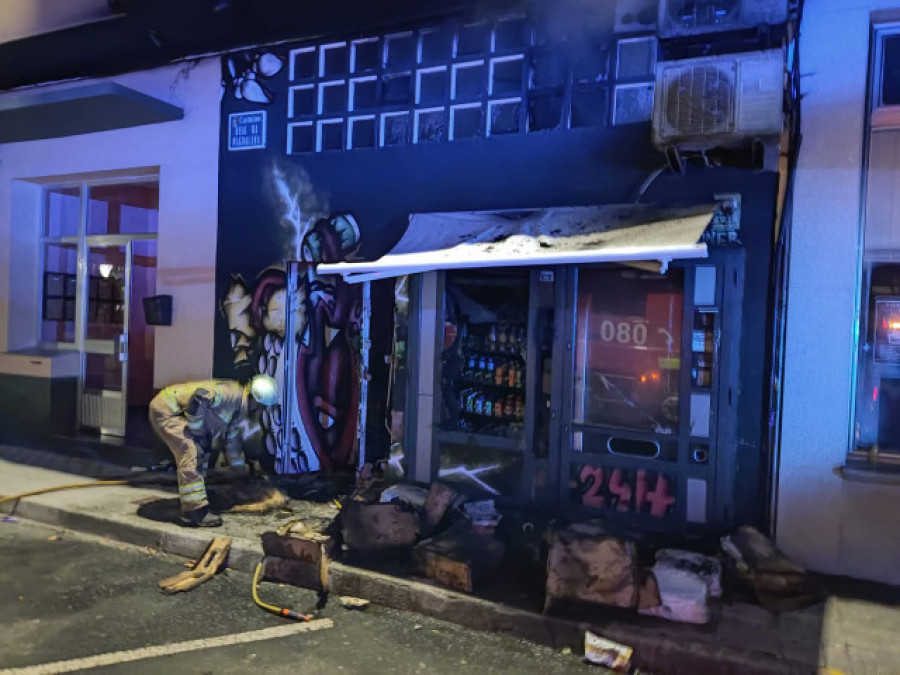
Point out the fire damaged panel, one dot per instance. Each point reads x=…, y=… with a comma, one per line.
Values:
x=544, y=112
x=503, y=116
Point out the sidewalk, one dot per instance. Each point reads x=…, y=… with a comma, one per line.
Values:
x=840, y=636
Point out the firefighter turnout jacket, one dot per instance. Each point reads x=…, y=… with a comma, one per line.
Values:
x=189, y=418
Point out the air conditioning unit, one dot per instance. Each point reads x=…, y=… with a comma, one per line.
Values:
x=719, y=101
x=695, y=17
x=633, y=16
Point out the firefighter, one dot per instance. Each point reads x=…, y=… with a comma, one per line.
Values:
x=190, y=417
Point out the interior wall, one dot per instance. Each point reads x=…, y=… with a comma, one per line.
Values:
x=140, y=336
x=186, y=154
x=825, y=522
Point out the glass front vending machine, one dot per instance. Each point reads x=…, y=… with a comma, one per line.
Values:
x=586, y=390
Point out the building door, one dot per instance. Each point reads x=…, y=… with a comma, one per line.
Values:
x=106, y=285
x=117, y=375
x=100, y=260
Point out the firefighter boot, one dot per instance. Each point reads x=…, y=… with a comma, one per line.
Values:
x=202, y=517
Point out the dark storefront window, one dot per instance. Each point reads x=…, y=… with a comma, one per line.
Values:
x=628, y=350
x=878, y=397
x=58, y=303
x=877, y=430
x=62, y=211
x=890, y=85
x=129, y=208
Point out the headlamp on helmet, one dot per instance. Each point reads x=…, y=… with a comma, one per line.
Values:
x=264, y=389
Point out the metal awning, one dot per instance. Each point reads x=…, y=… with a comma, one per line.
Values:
x=594, y=234
x=103, y=106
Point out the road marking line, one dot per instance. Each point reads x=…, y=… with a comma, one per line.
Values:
x=113, y=658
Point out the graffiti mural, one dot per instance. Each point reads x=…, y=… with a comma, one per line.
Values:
x=640, y=491
x=485, y=470
x=315, y=429
x=327, y=376
x=246, y=75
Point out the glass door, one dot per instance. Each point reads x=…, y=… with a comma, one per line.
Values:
x=103, y=400
x=649, y=434
x=498, y=424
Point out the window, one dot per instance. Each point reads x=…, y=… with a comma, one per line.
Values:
x=58, y=306
x=876, y=429
x=89, y=215
x=131, y=208
x=460, y=81
x=628, y=349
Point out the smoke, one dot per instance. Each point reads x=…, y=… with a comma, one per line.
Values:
x=575, y=22
x=301, y=205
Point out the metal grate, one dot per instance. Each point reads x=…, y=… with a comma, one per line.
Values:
x=101, y=411
x=699, y=101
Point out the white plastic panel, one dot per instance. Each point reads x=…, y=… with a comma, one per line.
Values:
x=700, y=407
x=696, y=500
x=705, y=286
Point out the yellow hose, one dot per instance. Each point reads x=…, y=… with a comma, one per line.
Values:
x=56, y=488
x=69, y=486
x=288, y=613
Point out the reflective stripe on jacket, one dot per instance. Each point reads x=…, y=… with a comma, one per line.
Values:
x=212, y=408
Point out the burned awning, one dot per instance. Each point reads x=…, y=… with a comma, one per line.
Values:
x=594, y=234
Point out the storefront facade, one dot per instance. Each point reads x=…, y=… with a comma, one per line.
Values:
x=617, y=389
x=329, y=148
x=322, y=150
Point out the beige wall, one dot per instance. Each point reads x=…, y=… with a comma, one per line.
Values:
x=21, y=18
x=826, y=522
x=186, y=154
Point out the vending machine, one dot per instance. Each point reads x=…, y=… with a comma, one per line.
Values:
x=587, y=390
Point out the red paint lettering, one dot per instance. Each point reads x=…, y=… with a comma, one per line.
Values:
x=592, y=479
x=660, y=499
x=620, y=489
x=640, y=489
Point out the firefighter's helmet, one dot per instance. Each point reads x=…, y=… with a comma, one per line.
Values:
x=264, y=389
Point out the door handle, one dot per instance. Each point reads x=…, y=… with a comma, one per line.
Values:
x=121, y=348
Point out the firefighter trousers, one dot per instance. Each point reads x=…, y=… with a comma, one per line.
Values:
x=173, y=430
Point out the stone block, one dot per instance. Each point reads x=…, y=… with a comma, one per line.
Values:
x=595, y=569
x=296, y=560
x=373, y=527
x=458, y=559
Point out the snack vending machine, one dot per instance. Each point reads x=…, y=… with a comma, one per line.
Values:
x=589, y=390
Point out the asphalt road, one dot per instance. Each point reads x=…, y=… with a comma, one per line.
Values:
x=66, y=596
